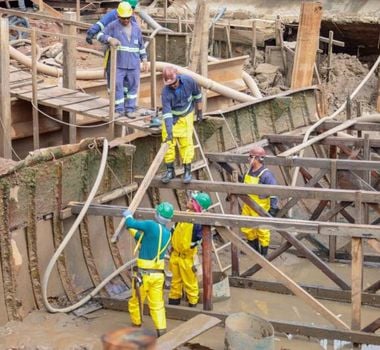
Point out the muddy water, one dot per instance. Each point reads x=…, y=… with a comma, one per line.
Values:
x=45, y=331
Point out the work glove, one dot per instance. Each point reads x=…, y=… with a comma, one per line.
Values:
x=127, y=213
x=113, y=42
x=169, y=138
x=273, y=211
x=89, y=38
x=199, y=115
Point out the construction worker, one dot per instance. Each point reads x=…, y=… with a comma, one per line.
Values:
x=185, y=239
x=153, y=238
x=127, y=38
x=179, y=96
x=259, y=238
x=106, y=20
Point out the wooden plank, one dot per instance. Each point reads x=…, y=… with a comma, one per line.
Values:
x=372, y=327
x=19, y=76
x=64, y=101
x=102, y=113
x=45, y=93
x=89, y=105
x=28, y=88
x=143, y=186
x=36, y=125
x=307, y=44
x=5, y=98
x=231, y=236
x=186, y=331
x=185, y=313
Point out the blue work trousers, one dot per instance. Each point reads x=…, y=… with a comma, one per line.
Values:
x=127, y=85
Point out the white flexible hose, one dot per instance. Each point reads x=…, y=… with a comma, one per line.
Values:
x=67, y=238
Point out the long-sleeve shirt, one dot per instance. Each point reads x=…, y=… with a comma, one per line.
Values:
x=131, y=51
x=179, y=102
x=104, y=21
x=267, y=178
x=149, y=242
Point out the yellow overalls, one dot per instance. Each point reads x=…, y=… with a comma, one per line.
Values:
x=181, y=264
x=183, y=134
x=152, y=287
x=253, y=233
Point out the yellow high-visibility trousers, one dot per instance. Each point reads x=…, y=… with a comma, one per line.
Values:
x=183, y=135
x=152, y=289
x=181, y=266
x=262, y=234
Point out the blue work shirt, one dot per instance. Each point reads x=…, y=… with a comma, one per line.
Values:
x=179, y=102
x=131, y=51
x=267, y=178
x=150, y=240
x=104, y=21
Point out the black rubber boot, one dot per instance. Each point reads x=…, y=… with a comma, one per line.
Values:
x=174, y=301
x=264, y=251
x=254, y=244
x=192, y=305
x=170, y=173
x=187, y=175
x=160, y=332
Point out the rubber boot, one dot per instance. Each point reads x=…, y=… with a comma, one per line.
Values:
x=174, y=301
x=187, y=174
x=192, y=305
x=254, y=244
x=264, y=251
x=170, y=173
x=160, y=332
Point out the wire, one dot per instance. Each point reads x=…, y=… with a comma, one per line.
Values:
x=70, y=124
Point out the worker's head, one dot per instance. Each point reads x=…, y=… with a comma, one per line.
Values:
x=169, y=75
x=133, y=3
x=124, y=12
x=257, y=155
x=199, y=201
x=164, y=212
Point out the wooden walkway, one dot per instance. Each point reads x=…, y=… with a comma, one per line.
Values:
x=73, y=101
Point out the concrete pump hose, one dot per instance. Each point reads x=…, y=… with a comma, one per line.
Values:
x=67, y=238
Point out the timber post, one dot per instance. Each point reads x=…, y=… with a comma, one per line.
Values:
x=207, y=267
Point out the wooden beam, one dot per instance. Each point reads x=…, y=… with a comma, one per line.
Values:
x=216, y=219
x=184, y=313
x=342, y=296
x=36, y=127
x=69, y=133
x=372, y=327
x=5, y=96
x=307, y=44
x=305, y=162
x=207, y=267
x=187, y=331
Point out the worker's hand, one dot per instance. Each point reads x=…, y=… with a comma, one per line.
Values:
x=145, y=66
x=113, y=42
x=127, y=213
x=199, y=115
x=89, y=38
x=273, y=211
x=169, y=138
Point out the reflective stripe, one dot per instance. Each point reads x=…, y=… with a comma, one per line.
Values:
x=120, y=100
x=125, y=89
x=128, y=49
x=197, y=97
x=143, y=52
x=100, y=24
x=99, y=35
x=129, y=96
x=167, y=115
x=182, y=112
x=190, y=98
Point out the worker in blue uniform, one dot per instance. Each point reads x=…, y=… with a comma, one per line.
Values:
x=259, y=238
x=186, y=237
x=153, y=238
x=105, y=20
x=127, y=38
x=180, y=96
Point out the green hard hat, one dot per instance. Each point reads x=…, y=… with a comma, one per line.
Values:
x=165, y=209
x=133, y=3
x=203, y=199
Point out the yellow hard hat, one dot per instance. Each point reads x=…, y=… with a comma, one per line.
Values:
x=124, y=10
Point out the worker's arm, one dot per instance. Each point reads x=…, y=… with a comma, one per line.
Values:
x=142, y=52
x=100, y=25
x=197, y=97
x=268, y=179
x=197, y=235
x=106, y=36
x=167, y=114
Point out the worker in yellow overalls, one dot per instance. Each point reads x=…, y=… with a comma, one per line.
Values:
x=259, y=238
x=185, y=239
x=153, y=238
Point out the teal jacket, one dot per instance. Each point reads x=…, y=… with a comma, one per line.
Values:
x=149, y=243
